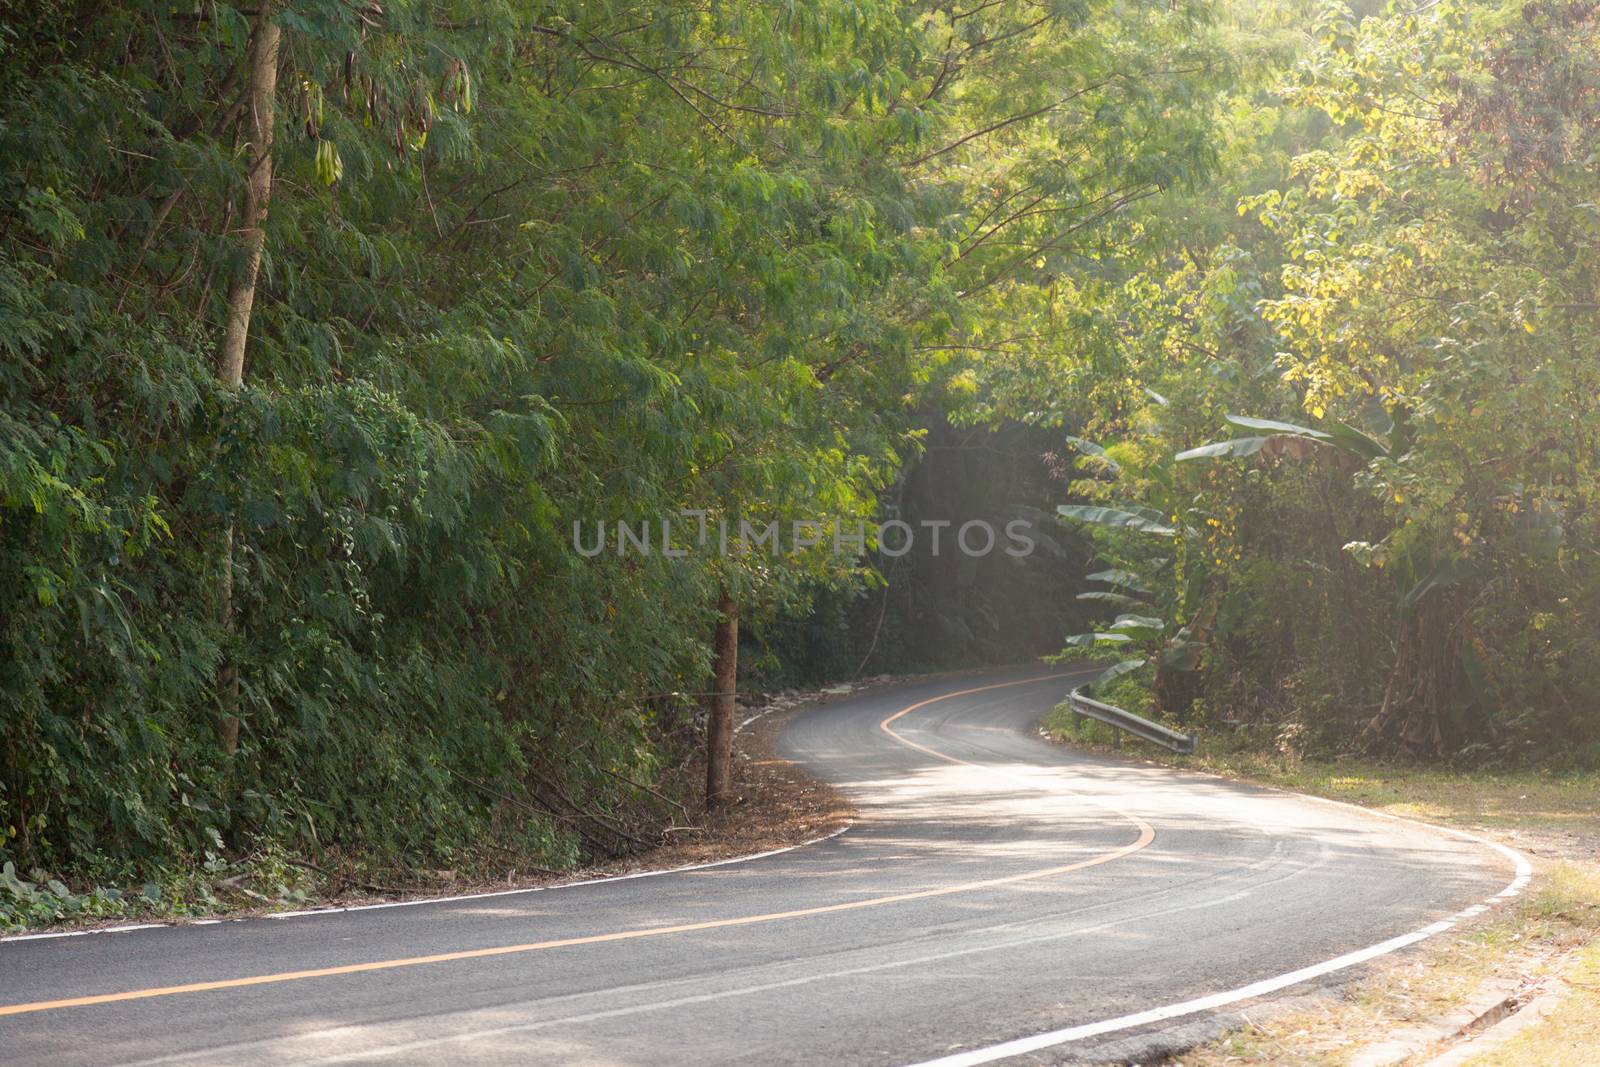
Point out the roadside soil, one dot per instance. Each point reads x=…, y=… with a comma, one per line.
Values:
x=1445, y=996
x=776, y=803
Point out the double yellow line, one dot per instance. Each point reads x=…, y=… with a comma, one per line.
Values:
x=1146, y=835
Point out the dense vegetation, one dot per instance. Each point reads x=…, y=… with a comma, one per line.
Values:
x=1350, y=468
x=322, y=322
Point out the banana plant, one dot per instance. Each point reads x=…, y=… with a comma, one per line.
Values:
x=1417, y=572
x=1168, y=646
x=1149, y=630
x=1130, y=632
x=1286, y=440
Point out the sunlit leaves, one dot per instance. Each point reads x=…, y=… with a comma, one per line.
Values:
x=1141, y=520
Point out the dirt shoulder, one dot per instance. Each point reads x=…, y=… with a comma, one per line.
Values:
x=1454, y=999
x=1444, y=997
x=775, y=803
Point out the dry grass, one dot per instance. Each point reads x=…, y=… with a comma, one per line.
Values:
x=1542, y=813
x=1406, y=1004
x=1558, y=814
x=1570, y=1037
x=1548, y=936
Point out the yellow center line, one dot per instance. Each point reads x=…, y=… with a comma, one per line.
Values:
x=1146, y=835
x=1147, y=832
x=903, y=712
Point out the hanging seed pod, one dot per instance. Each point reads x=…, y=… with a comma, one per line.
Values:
x=330, y=167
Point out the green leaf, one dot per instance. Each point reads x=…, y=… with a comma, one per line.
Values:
x=1182, y=655
x=1234, y=449
x=1138, y=625
x=1118, y=599
x=1117, y=670
x=1089, y=448
x=1248, y=423
x=1125, y=579
x=1095, y=640
x=10, y=881
x=1117, y=517
x=1351, y=439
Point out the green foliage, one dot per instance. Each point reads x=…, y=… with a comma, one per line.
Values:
x=523, y=267
x=1128, y=689
x=1393, y=267
x=45, y=900
x=1143, y=520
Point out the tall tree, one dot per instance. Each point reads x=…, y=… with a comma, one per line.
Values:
x=261, y=60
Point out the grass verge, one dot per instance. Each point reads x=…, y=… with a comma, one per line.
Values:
x=1407, y=1008
x=1569, y=1037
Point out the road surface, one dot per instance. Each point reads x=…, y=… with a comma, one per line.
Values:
x=995, y=888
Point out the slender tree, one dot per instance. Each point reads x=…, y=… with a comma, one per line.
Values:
x=720, y=723
x=261, y=111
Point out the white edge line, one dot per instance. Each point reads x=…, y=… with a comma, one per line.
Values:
x=83, y=933
x=815, y=698
x=1023, y=1045
x=308, y=912
x=50, y=935
x=752, y=718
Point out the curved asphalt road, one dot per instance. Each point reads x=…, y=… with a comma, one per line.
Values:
x=995, y=887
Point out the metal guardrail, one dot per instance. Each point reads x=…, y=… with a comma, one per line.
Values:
x=1079, y=704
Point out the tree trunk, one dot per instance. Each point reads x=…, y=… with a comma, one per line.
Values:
x=719, y=725
x=263, y=74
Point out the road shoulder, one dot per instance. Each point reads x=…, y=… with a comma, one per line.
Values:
x=1457, y=1000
